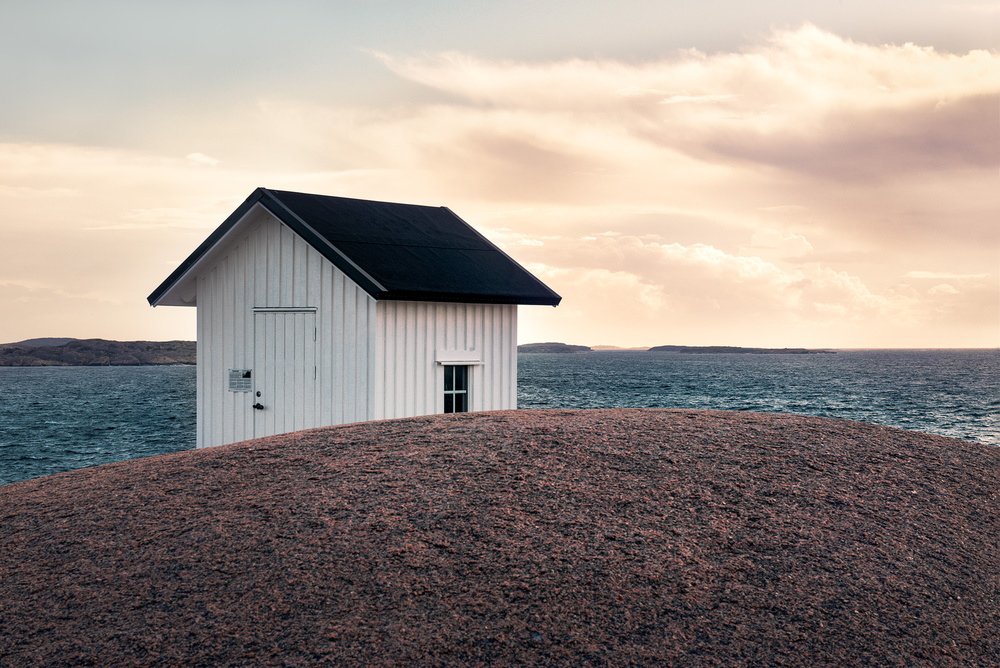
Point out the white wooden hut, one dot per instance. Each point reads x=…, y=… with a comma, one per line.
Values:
x=317, y=310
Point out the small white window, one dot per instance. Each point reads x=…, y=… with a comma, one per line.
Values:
x=456, y=389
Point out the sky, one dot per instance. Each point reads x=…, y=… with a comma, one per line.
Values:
x=781, y=173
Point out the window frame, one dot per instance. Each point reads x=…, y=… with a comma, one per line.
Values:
x=451, y=374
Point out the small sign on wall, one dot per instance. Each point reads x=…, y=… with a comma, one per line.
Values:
x=240, y=380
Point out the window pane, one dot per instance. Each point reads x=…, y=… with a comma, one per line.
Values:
x=456, y=389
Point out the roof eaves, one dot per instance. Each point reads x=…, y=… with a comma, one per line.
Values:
x=553, y=300
x=467, y=298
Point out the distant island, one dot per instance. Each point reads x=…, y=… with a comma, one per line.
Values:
x=50, y=341
x=96, y=352
x=552, y=347
x=736, y=349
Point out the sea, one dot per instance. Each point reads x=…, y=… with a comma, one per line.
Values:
x=55, y=419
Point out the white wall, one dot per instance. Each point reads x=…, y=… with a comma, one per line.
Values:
x=408, y=379
x=264, y=264
x=372, y=360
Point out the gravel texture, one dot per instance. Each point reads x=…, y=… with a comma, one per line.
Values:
x=605, y=537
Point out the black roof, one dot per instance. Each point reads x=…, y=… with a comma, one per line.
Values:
x=392, y=251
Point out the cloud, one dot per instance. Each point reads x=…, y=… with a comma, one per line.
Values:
x=783, y=208
x=202, y=159
x=696, y=280
x=163, y=218
x=27, y=192
x=700, y=293
x=805, y=88
x=943, y=275
x=943, y=289
x=875, y=142
x=976, y=7
x=786, y=243
x=811, y=171
x=851, y=132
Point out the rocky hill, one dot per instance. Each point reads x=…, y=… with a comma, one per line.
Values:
x=516, y=538
x=98, y=352
x=48, y=341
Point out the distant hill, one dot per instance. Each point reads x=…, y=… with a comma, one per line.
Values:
x=735, y=349
x=551, y=347
x=41, y=342
x=97, y=352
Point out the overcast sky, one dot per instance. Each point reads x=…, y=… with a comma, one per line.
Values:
x=769, y=173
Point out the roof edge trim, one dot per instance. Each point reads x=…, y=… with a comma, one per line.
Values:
x=553, y=301
x=182, y=270
x=306, y=231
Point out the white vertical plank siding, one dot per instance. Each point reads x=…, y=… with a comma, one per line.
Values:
x=349, y=359
x=201, y=376
x=324, y=410
x=217, y=322
x=365, y=355
x=409, y=381
x=269, y=266
x=334, y=344
x=353, y=343
x=483, y=385
x=509, y=342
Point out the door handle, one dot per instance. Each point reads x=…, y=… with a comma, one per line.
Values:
x=258, y=406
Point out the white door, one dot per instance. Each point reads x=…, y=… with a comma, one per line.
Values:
x=285, y=370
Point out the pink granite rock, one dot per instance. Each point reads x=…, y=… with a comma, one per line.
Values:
x=606, y=537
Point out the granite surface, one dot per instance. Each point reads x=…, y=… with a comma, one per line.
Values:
x=600, y=538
